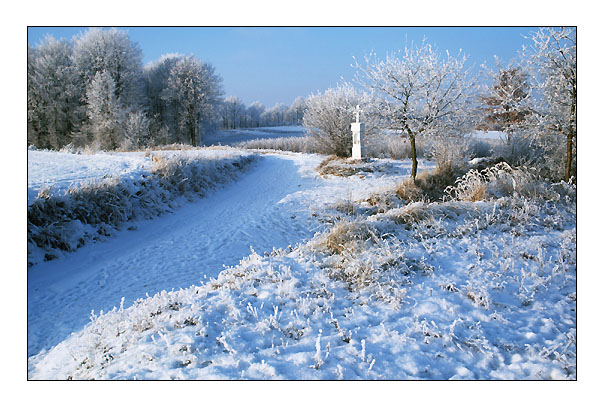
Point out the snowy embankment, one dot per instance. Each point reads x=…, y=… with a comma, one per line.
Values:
x=443, y=290
x=74, y=199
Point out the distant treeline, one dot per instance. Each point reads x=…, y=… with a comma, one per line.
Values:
x=93, y=90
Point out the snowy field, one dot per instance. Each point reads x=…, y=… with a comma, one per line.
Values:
x=271, y=205
x=62, y=170
x=285, y=274
x=235, y=136
x=59, y=171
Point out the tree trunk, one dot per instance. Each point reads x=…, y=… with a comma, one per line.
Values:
x=569, y=156
x=414, y=160
x=570, y=136
x=192, y=134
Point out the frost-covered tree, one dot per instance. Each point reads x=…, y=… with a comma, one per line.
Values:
x=328, y=117
x=136, y=130
x=274, y=115
x=33, y=121
x=422, y=93
x=254, y=112
x=552, y=58
x=296, y=111
x=232, y=112
x=106, y=116
x=193, y=90
x=111, y=51
x=507, y=100
x=155, y=76
x=53, y=94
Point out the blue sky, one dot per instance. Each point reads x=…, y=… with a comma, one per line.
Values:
x=277, y=64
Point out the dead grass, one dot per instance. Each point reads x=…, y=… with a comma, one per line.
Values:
x=347, y=237
x=346, y=206
x=412, y=213
x=500, y=180
x=337, y=166
x=429, y=185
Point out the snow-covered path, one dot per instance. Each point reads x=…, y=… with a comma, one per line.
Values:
x=270, y=206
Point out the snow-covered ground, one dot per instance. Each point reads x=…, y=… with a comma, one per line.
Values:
x=272, y=205
x=358, y=290
x=61, y=170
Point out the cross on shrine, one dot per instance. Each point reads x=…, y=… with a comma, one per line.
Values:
x=357, y=111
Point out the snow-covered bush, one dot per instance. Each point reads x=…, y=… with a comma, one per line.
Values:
x=449, y=150
x=519, y=150
x=480, y=148
x=429, y=185
x=304, y=144
x=499, y=181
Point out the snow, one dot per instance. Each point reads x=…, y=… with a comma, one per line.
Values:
x=61, y=170
x=469, y=290
x=270, y=206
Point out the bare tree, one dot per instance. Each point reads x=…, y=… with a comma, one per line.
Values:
x=422, y=92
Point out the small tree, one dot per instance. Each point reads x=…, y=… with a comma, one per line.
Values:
x=507, y=100
x=422, y=93
x=104, y=112
x=136, y=130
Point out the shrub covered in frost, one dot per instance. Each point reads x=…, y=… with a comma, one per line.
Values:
x=303, y=144
x=498, y=181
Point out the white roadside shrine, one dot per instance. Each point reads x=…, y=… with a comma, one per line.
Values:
x=357, y=129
